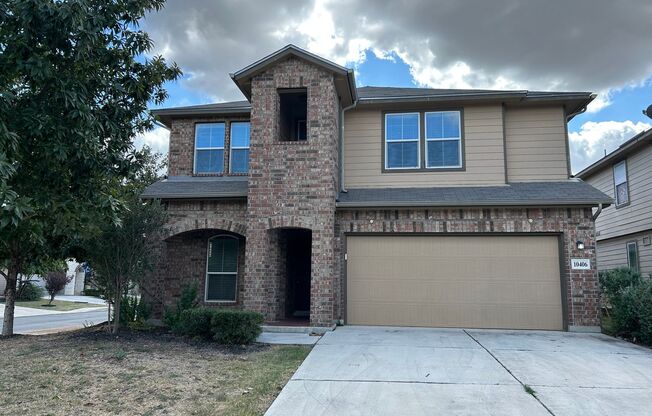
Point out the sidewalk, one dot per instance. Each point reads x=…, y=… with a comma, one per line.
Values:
x=21, y=311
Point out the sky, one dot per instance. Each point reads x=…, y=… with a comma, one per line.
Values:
x=584, y=45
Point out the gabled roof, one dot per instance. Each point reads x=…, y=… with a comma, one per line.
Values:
x=165, y=115
x=625, y=149
x=538, y=194
x=344, y=77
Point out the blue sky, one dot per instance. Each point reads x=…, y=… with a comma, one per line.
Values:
x=584, y=45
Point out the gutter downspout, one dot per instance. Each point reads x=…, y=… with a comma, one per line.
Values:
x=597, y=213
x=341, y=143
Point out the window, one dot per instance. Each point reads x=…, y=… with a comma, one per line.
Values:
x=402, y=141
x=222, y=269
x=443, y=139
x=209, y=148
x=239, y=162
x=293, y=114
x=620, y=184
x=632, y=255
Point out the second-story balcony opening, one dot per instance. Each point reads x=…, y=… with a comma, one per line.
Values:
x=293, y=114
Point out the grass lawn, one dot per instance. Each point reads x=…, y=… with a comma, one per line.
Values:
x=59, y=305
x=91, y=372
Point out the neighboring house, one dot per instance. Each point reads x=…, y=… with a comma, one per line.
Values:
x=3, y=285
x=624, y=230
x=315, y=199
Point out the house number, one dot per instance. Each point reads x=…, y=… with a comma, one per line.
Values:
x=580, y=264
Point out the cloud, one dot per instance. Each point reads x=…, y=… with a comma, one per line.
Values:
x=594, y=138
x=158, y=139
x=596, y=45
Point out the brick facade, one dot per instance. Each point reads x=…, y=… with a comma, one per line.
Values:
x=572, y=224
x=291, y=184
x=294, y=185
x=182, y=143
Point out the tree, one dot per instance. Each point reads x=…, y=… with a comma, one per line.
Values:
x=55, y=282
x=123, y=251
x=75, y=83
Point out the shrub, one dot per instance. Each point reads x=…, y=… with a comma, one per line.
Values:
x=226, y=326
x=234, y=327
x=55, y=282
x=630, y=298
x=133, y=310
x=196, y=322
x=29, y=291
x=93, y=292
x=187, y=300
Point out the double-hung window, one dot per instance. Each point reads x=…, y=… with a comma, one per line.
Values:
x=620, y=183
x=209, y=148
x=402, y=141
x=632, y=255
x=443, y=139
x=239, y=160
x=222, y=269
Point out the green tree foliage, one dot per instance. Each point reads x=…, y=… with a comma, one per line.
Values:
x=122, y=252
x=75, y=83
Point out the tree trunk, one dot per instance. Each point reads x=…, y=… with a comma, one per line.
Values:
x=116, y=311
x=10, y=300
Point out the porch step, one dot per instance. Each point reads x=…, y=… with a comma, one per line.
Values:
x=297, y=329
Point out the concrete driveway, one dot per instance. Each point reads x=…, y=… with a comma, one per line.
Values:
x=419, y=371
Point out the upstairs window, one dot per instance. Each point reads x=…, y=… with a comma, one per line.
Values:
x=402, y=141
x=222, y=269
x=239, y=162
x=293, y=113
x=443, y=139
x=620, y=184
x=209, y=148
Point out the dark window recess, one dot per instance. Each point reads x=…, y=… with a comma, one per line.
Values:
x=293, y=114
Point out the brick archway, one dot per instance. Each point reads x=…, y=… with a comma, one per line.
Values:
x=205, y=224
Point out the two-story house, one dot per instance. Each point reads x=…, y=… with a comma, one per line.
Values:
x=624, y=230
x=317, y=200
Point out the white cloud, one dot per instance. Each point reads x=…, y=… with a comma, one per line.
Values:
x=594, y=138
x=595, y=45
x=158, y=139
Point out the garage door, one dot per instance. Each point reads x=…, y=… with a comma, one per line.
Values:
x=454, y=281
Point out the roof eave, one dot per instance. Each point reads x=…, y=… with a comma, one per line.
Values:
x=225, y=195
x=403, y=204
x=615, y=155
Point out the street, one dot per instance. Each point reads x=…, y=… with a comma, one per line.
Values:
x=62, y=321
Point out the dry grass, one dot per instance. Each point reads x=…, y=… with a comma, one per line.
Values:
x=92, y=373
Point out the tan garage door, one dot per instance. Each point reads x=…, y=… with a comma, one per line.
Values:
x=454, y=281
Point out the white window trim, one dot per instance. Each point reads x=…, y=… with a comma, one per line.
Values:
x=232, y=148
x=459, y=138
x=194, y=163
x=635, y=244
x=613, y=172
x=235, y=294
x=418, y=140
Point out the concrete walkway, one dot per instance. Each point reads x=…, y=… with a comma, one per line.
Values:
x=418, y=371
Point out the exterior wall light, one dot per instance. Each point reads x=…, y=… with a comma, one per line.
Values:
x=580, y=245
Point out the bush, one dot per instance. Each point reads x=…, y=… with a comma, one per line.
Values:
x=234, y=327
x=30, y=291
x=133, y=310
x=187, y=300
x=226, y=326
x=196, y=322
x=630, y=298
x=55, y=282
x=93, y=292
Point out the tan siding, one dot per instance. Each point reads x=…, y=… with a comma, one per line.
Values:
x=612, y=253
x=636, y=216
x=536, y=144
x=483, y=142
